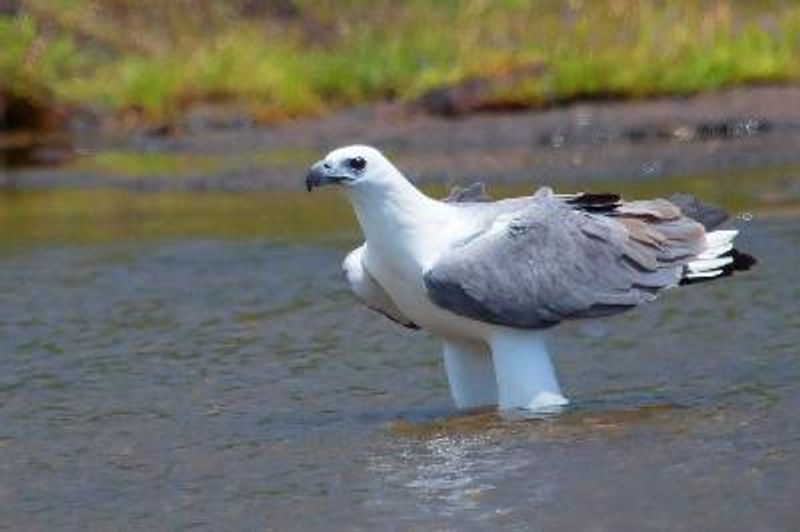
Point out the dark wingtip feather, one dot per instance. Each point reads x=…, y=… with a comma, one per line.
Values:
x=601, y=202
x=742, y=261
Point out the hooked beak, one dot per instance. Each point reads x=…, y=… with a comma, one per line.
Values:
x=321, y=174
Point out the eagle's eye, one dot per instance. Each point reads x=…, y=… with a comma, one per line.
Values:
x=357, y=163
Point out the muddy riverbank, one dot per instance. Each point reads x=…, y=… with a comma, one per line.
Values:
x=591, y=141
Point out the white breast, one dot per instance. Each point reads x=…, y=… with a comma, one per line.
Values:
x=368, y=290
x=399, y=268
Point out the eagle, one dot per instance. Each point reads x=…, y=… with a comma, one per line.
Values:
x=490, y=278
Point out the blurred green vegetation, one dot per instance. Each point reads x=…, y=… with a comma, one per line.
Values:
x=280, y=59
x=133, y=164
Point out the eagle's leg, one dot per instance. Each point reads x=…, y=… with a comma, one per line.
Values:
x=470, y=373
x=525, y=374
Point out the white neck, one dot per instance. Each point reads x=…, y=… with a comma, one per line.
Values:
x=396, y=217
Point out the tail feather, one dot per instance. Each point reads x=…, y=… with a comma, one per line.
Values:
x=720, y=237
x=720, y=259
x=716, y=252
x=706, y=265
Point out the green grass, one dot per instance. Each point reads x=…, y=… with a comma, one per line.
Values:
x=161, y=57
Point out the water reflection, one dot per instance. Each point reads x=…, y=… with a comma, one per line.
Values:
x=447, y=474
x=473, y=464
x=28, y=217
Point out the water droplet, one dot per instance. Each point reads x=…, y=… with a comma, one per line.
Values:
x=651, y=168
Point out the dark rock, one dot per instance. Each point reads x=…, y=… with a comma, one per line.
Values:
x=477, y=93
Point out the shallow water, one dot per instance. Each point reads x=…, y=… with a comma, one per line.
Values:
x=176, y=361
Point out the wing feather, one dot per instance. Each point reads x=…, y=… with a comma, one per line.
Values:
x=369, y=291
x=555, y=259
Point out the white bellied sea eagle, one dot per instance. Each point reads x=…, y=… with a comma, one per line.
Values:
x=489, y=277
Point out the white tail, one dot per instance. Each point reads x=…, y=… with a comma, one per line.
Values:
x=710, y=262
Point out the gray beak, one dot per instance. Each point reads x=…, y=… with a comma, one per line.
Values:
x=322, y=173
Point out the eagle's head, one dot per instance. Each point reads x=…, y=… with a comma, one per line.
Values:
x=351, y=166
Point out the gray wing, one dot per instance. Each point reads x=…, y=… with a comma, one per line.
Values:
x=710, y=216
x=555, y=258
x=369, y=291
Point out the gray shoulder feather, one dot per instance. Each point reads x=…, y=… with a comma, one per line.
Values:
x=472, y=193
